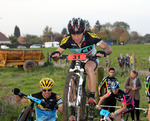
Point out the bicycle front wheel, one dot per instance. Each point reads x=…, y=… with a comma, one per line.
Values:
x=71, y=97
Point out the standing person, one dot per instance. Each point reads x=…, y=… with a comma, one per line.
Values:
x=53, y=102
x=133, y=61
x=121, y=61
x=147, y=88
x=81, y=41
x=133, y=85
x=127, y=62
x=106, y=85
x=121, y=96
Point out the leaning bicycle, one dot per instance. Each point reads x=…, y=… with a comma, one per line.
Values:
x=75, y=93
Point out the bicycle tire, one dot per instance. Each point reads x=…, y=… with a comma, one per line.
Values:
x=66, y=109
x=26, y=116
x=83, y=103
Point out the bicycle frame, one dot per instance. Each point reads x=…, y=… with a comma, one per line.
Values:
x=78, y=71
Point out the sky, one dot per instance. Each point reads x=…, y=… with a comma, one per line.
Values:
x=32, y=16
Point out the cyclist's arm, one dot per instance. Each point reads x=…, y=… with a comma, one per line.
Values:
x=60, y=109
x=119, y=111
x=103, y=98
x=59, y=104
x=21, y=100
x=102, y=84
x=105, y=47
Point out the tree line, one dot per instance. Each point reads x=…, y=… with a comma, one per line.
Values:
x=116, y=33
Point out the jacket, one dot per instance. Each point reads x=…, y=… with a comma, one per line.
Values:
x=135, y=94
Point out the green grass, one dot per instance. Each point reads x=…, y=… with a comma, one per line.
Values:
x=28, y=82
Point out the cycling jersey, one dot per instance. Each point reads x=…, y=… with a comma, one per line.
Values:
x=124, y=97
x=106, y=83
x=147, y=88
x=87, y=45
x=47, y=112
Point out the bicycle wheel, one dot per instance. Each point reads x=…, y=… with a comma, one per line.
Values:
x=70, y=97
x=27, y=114
x=83, y=103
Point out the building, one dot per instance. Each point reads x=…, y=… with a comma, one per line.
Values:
x=4, y=39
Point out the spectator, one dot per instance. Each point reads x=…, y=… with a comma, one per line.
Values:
x=121, y=61
x=132, y=86
x=127, y=62
x=133, y=61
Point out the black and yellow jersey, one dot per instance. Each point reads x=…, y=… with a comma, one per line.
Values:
x=87, y=45
x=49, y=109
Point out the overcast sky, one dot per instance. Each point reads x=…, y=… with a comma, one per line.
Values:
x=32, y=16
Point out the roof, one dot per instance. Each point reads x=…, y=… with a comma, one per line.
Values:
x=21, y=40
x=3, y=37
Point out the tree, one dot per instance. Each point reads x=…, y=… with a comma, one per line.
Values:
x=122, y=25
x=32, y=39
x=134, y=36
x=13, y=39
x=125, y=36
x=98, y=25
x=47, y=31
x=16, y=31
x=147, y=38
x=64, y=32
x=115, y=34
x=88, y=27
x=108, y=26
x=104, y=35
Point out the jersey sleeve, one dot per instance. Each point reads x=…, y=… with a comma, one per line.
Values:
x=94, y=38
x=124, y=99
x=101, y=85
x=65, y=42
x=59, y=101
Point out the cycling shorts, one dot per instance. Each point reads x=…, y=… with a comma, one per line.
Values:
x=83, y=64
x=130, y=107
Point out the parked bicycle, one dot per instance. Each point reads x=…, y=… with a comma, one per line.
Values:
x=75, y=93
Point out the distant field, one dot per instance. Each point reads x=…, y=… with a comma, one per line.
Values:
x=12, y=77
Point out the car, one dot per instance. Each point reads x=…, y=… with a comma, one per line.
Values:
x=35, y=46
x=4, y=47
x=21, y=46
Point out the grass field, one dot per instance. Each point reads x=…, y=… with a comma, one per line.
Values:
x=12, y=77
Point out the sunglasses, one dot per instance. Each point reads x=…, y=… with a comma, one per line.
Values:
x=47, y=89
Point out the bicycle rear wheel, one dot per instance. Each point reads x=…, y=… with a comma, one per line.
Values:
x=70, y=97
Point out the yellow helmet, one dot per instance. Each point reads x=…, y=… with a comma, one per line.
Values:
x=46, y=83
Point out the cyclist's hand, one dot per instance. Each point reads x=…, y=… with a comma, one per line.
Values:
x=112, y=114
x=16, y=91
x=101, y=53
x=98, y=107
x=55, y=55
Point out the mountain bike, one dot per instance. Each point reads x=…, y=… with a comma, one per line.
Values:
x=75, y=93
x=28, y=112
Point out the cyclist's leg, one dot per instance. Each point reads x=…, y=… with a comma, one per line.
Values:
x=91, y=82
x=118, y=117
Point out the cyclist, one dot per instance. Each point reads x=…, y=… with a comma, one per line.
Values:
x=52, y=101
x=147, y=87
x=106, y=83
x=121, y=96
x=81, y=41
